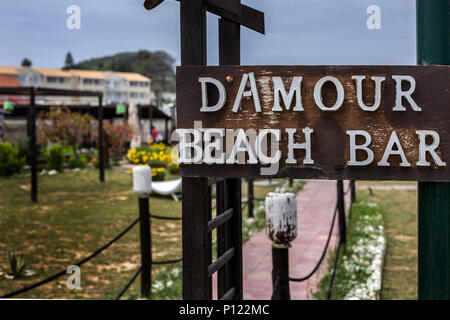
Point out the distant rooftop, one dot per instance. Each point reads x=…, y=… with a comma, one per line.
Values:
x=88, y=74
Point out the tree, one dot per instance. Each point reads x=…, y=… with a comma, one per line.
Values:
x=26, y=62
x=68, y=62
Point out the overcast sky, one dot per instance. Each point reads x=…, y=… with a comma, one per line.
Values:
x=297, y=31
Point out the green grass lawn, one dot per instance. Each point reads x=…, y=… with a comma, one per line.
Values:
x=400, y=215
x=76, y=214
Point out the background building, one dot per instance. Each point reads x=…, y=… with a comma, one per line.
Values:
x=117, y=87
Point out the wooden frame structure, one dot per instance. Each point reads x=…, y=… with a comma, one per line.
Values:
x=32, y=92
x=198, y=224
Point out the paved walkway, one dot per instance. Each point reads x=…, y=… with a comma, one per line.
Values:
x=316, y=203
x=390, y=187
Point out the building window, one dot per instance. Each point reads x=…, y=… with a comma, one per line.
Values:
x=87, y=81
x=62, y=80
x=33, y=80
x=52, y=79
x=22, y=79
x=97, y=81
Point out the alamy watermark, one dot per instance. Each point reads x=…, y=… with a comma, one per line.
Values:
x=73, y=21
x=374, y=20
x=74, y=281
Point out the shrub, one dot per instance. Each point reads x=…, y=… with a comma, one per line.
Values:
x=76, y=163
x=22, y=144
x=174, y=168
x=10, y=162
x=158, y=174
x=155, y=155
x=55, y=157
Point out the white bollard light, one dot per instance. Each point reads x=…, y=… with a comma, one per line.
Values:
x=281, y=219
x=142, y=180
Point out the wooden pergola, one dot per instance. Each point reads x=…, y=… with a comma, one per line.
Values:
x=30, y=112
x=145, y=111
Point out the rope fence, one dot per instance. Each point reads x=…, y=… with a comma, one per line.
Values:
x=79, y=263
x=93, y=255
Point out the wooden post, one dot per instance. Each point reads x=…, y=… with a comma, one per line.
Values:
x=33, y=147
x=234, y=197
x=101, y=155
x=146, y=246
x=433, y=47
x=196, y=203
x=281, y=217
x=166, y=131
x=196, y=241
x=251, y=198
x=280, y=273
x=223, y=240
x=353, y=190
x=341, y=211
x=230, y=54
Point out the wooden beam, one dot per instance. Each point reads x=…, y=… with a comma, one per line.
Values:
x=232, y=6
x=151, y=4
x=245, y=16
x=249, y=17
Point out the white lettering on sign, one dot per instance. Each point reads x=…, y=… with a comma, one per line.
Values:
x=364, y=147
x=248, y=89
x=393, y=142
x=242, y=92
x=305, y=145
x=318, y=94
x=250, y=146
x=406, y=94
x=279, y=90
x=222, y=95
x=431, y=149
x=359, y=93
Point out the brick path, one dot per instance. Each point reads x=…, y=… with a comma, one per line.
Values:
x=316, y=203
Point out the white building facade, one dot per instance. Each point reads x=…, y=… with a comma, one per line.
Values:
x=117, y=87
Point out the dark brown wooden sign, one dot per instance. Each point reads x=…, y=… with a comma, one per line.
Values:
x=327, y=122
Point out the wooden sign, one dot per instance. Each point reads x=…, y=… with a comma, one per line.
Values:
x=326, y=122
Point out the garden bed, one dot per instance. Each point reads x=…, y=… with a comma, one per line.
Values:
x=359, y=272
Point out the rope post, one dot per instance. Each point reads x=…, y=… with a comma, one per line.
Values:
x=281, y=229
x=341, y=211
x=101, y=137
x=142, y=186
x=353, y=190
x=33, y=146
x=251, y=198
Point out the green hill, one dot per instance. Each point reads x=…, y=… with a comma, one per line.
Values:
x=157, y=65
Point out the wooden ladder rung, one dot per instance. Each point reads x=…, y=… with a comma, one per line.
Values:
x=216, y=265
x=229, y=295
x=220, y=219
